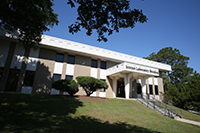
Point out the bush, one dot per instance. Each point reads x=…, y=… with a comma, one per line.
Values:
x=67, y=85
x=91, y=84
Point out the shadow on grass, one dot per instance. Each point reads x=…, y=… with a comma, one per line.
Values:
x=43, y=113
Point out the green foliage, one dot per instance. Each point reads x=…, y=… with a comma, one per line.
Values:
x=193, y=86
x=178, y=62
x=68, y=85
x=90, y=84
x=33, y=17
x=30, y=17
x=182, y=85
x=105, y=16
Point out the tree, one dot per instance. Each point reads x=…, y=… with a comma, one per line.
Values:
x=182, y=85
x=193, y=87
x=105, y=16
x=178, y=62
x=31, y=18
x=90, y=84
x=66, y=85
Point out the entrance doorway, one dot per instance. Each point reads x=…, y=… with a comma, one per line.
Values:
x=11, y=84
x=120, y=88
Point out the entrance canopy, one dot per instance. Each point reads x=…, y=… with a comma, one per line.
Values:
x=138, y=70
x=128, y=71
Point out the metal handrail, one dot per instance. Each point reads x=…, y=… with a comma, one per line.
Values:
x=162, y=108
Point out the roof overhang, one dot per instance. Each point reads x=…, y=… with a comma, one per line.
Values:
x=136, y=70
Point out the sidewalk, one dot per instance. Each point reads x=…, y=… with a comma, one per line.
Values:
x=188, y=121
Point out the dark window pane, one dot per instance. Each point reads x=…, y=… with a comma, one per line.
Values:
x=156, y=90
x=56, y=77
x=94, y=63
x=139, y=88
x=68, y=77
x=151, y=89
x=59, y=57
x=71, y=59
x=1, y=72
x=29, y=78
x=103, y=65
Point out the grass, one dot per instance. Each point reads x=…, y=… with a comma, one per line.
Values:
x=44, y=113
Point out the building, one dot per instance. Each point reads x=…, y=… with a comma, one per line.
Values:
x=127, y=76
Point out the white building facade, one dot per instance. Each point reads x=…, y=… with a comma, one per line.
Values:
x=34, y=71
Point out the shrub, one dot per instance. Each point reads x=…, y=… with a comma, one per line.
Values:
x=91, y=84
x=67, y=85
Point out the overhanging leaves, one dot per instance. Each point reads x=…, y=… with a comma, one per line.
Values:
x=104, y=16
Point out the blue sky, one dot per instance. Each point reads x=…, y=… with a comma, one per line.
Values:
x=171, y=23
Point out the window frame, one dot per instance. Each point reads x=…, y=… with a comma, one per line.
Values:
x=69, y=61
x=58, y=55
x=55, y=75
x=103, y=67
x=94, y=65
x=151, y=89
x=71, y=77
x=156, y=90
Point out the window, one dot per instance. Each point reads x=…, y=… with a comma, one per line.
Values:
x=71, y=59
x=156, y=90
x=151, y=89
x=139, y=88
x=59, y=57
x=103, y=65
x=56, y=77
x=94, y=63
x=68, y=77
x=29, y=78
x=1, y=72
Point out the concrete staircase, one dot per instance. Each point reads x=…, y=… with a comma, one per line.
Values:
x=161, y=108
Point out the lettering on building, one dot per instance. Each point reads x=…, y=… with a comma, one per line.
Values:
x=141, y=69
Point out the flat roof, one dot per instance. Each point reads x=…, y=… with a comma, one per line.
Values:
x=101, y=53
x=95, y=52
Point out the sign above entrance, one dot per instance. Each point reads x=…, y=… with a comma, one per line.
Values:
x=142, y=69
x=130, y=67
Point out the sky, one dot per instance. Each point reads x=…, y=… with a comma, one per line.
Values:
x=171, y=23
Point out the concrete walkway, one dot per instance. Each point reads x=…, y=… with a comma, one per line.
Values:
x=188, y=121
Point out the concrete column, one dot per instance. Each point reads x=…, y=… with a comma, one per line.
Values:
x=44, y=71
x=148, y=89
x=153, y=88
x=114, y=86
x=127, y=85
x=64, y=66
x=23, y=71
x=131, y=87
x=98, y=75
x=144, y=88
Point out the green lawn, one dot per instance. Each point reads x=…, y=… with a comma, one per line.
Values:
x=44, y=113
